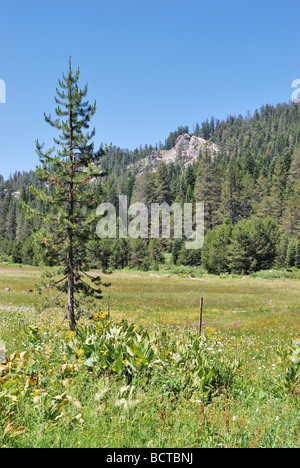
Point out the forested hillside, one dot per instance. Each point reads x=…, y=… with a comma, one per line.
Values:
x=250, y=188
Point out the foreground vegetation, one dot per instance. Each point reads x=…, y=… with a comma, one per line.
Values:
x=144, y=378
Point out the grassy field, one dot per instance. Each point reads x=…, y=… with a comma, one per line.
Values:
x=249, y=321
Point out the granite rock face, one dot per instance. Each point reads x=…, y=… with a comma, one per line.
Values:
x=185, y=151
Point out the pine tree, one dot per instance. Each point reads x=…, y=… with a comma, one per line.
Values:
x=277, y=195
x=143, y=188
x=293, y=252
x=253, y=245
x=207, y=189
x=261, y=194
x=11, y=221
x=190, y=179
x=69, y=173
x=294, y=174
x=161, y=185
x=290, y=222
x=214, y=253
x=232, y=194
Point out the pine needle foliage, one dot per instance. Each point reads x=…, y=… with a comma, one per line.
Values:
x=70, y=173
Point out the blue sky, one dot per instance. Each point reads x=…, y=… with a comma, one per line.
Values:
x=151, y=65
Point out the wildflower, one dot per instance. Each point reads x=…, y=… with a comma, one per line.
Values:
x=71, y=334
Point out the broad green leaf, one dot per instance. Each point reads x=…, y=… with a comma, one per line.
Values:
x=2, y=352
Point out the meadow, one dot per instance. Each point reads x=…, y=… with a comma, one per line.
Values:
x=144, y=378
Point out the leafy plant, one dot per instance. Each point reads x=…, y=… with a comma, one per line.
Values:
x=2, y=352
x=202, y=371
x=115, y=347
x=289, y=355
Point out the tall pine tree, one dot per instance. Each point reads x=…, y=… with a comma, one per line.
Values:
x=68, y=175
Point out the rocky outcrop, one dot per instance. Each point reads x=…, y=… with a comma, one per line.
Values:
x=186, y=151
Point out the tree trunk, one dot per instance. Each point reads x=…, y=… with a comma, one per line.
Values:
x=71, y=311
x=71, y=308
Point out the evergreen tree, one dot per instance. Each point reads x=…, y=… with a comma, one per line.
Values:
x=277, y=195
x=260, y=195
x=290, y=222
x=69, y=173
x=144, y=188
x=293, y=252
x=176, y=248
x=232, y=193
x=207, y=189
x=139, y=255
x=253, y=245
x=161, y=186
x=11, y=222
x=156, y=255
x=215, y=250
x=294, y=174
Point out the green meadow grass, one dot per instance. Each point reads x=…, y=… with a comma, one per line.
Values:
x=173, y=300
x=249, y=319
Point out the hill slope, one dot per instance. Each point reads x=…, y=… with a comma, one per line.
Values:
x=244, y=169
x=186, y=151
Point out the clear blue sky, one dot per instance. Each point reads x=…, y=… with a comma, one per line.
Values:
x=151, y=65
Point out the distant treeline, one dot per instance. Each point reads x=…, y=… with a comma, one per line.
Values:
x=251, y=192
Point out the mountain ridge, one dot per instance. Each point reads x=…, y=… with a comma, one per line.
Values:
x=186, y=150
